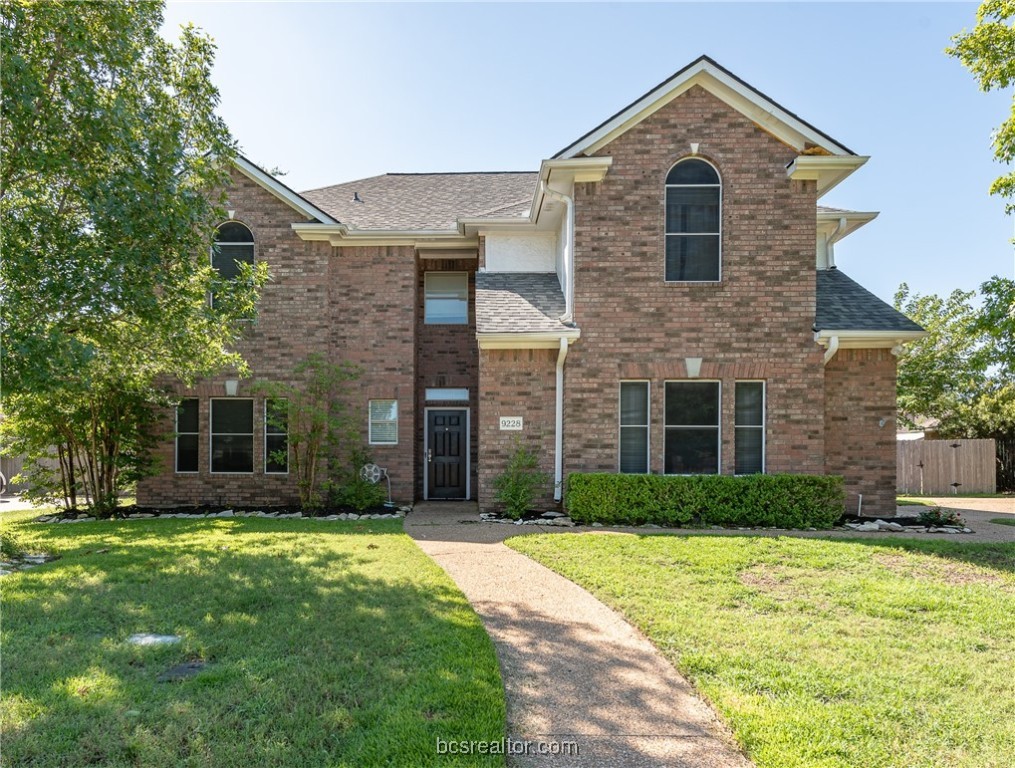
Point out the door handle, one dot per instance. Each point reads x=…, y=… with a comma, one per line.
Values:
x=429, y=455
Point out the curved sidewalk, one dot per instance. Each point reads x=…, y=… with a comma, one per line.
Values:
x=574, y=671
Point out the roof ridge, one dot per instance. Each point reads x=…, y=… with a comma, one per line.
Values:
x=453, y=173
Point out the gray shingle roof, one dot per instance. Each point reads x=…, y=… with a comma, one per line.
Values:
x=417, y=201
x=518, y=302
x=845, y=305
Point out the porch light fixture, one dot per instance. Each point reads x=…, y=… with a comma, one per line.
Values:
x=693, y=366
x=231, y=386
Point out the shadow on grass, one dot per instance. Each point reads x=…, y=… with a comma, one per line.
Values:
x=326, y=645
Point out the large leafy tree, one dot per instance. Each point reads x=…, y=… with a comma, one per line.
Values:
x=112, y=171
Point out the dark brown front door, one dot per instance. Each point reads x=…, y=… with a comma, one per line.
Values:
x=446, y=453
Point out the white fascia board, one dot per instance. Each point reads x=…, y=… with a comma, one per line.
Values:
x=867, y=339
x=484, y=226
x=829, y=220
x=340, y=235
x=542, y=340
x=280, y=190
x=719, y=83
x=827, y=170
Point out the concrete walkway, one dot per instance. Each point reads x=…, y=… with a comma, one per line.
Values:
x=574, y=671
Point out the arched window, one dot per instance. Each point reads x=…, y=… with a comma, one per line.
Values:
x=693, y=227
x=234, y=245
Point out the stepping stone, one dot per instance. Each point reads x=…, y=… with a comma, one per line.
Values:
x=181, y=672
x=147, y=638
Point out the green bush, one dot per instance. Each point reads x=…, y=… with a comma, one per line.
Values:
x=10, y=544
x=517, y=486
x=360, y=495
x=936, y=516
x=782, y=501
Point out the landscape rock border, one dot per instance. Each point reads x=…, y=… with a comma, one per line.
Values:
x=82, y=517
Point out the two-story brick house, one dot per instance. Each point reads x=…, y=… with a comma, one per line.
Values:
x=660, y=296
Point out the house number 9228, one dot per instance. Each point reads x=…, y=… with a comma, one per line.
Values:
x=511, y=422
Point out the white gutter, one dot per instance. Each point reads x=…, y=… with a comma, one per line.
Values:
x=833, y=347
x=558, y=437
x=568, y=316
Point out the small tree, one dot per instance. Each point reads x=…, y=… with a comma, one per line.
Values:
x=517, y=486
x=319, y=423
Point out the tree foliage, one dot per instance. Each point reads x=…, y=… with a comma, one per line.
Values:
x=113, y=166
x=988, y=51
x=957, y=374
x=320, y=427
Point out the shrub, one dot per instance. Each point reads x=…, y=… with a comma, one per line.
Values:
x=10, y=544
x=937, y=516
x=782, y=501
x=351, y=490
x=517, y=486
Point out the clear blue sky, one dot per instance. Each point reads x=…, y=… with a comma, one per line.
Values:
x=332, y=92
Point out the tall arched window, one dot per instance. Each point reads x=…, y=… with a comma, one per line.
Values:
x=693, y=227
x=234, y=245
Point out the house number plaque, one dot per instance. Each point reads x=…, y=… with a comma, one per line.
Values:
x=511, y=423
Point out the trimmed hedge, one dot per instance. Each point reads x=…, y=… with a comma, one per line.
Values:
x=781, y=501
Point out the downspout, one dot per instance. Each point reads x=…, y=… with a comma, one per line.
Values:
x=830, y=242
x=558, y=437
x=568, y=316
x=833, y=347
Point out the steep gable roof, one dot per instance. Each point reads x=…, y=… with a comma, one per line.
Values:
x=722, y=83
x=293, y=199
x=425, y=201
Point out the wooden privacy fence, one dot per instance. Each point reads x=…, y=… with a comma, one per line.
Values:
x=934, y=467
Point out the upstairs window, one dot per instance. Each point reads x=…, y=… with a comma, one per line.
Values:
x=693, y=228
x=446, y=298
x=234, y=245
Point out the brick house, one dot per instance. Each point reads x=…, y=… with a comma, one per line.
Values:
x=660, y=296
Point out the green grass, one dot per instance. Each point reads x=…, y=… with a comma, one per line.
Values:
x=818, y=653
x=328, y=644
x=913, y=501
x=1003, y=520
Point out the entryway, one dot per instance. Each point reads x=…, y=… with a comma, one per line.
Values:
x=446, y=453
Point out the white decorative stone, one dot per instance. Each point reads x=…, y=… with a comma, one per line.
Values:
x=597, y=525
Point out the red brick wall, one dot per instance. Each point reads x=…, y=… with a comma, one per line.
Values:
x=516, y=383
x=447, y=356
x=354, y=304
x=755, y=323
x=859, y=393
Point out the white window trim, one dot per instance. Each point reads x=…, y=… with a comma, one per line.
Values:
x=370, y=420
x=667, y=234
x=716, y=427
x=763, y=426
x=265, y=446
x=212, y=434
x=426, y=278
x=176, y=439
x=647, y=425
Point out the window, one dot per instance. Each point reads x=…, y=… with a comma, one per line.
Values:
x=634, y=449
x=383, y=422
x=692, y=427
x=234, y=245
x=276, y=436
x=446, y=298
x=693, y=228
x=232, y=435
x=187, y=430
x=750, y=427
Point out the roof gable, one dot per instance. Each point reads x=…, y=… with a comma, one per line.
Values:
x=293, y=199
x=726, y=86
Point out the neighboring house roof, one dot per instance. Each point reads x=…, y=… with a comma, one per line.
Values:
x=726, y=86
x=845, y=305
x=518, y=302
x=425, y=201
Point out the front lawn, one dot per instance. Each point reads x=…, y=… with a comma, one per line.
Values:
x=819, y=653
x=325, y=643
